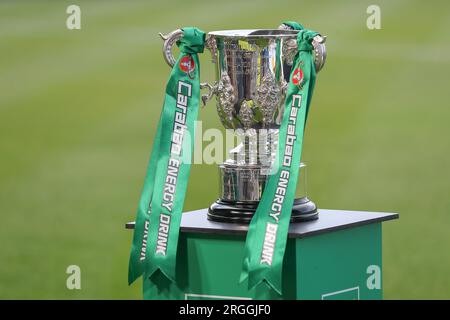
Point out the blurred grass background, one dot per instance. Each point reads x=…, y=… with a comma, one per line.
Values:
x=78, y=112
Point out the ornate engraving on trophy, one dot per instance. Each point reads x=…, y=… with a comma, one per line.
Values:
x=211, y=44
x=225, y=97
x=289, y=51
x=248, y=64
x=268, y=97
x=246, y=114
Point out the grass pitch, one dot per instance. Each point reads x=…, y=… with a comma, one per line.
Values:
x=78, y=112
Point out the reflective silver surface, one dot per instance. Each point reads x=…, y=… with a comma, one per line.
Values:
x=246, y=183
x=250, y=76
x=240, y=183
x=252, y=71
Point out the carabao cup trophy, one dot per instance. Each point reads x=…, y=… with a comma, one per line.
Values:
x=252, y=72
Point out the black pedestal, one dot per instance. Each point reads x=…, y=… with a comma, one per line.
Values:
x=242, y=212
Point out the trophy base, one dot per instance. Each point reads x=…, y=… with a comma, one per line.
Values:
x=242, y=212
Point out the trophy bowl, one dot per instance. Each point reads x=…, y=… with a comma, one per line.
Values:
x=252, y=71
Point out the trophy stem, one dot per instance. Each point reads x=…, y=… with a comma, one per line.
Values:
x=241, y=188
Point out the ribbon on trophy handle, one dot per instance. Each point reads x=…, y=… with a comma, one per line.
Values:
x=158, y=217
x=268, y=231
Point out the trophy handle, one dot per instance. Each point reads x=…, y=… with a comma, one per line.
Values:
x=212, y=90
x=169, y=40
x=320, y=51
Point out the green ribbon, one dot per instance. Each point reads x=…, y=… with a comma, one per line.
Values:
x=267, y=235
x=294, y=25
x=158, y=217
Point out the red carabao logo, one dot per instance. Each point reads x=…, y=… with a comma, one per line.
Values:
x=297, y=77
x=187, y=64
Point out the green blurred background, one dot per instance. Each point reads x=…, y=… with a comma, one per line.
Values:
x=78, y=112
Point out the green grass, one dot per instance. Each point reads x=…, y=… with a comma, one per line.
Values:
x=78, y=111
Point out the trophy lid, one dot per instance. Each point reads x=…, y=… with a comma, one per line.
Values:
x=254, y=33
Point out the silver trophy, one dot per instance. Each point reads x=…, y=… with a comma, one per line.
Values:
x=252, y=74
